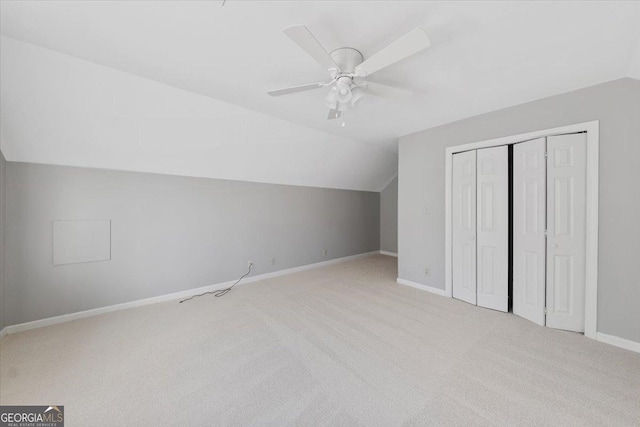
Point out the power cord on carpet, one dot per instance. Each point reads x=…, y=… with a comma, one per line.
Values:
x=220, y=292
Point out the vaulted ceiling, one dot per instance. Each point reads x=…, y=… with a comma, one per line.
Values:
x=484, y=56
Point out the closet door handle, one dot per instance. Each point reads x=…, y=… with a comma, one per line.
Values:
x=473, y=237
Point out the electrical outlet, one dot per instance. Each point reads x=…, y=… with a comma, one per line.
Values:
x=427, y=272
x=273, y=261
x=324, y=252
x=249, y=263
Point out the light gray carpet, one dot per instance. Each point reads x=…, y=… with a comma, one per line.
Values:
x=339, y=345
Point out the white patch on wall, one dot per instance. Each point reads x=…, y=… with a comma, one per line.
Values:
x=76, y=241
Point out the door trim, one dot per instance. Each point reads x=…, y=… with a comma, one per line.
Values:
x=592, y=129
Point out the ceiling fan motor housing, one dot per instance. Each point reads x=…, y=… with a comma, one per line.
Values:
x=347, y=58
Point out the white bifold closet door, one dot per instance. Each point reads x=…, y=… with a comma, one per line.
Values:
x=480, y=227
x=529, y=224
x=493, y=228
x=566, y=231
x=464, y=226
x=549, y=231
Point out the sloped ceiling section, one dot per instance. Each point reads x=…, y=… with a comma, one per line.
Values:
x=57, y=109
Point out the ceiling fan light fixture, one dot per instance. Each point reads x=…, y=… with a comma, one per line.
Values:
x=356, y=93
x=340, y=97
x=343, y=90
x=331, y=99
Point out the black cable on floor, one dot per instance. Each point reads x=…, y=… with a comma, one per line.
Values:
x=220, y=292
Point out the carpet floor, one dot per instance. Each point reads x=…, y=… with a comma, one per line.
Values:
x=337, y=345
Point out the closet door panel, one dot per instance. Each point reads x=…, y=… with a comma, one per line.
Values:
x=464, y=226
x=493, y=227
x=529, y=222
x=566, y=222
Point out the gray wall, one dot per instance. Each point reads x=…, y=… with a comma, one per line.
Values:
x=169, y=233
x=617, y=105
x=389, y=217
x=3, y=167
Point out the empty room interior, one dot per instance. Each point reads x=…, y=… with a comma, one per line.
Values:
x=273, y=213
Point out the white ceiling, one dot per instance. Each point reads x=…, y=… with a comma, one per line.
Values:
x=484, y=55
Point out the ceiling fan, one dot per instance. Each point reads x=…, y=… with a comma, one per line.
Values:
x=347, y=68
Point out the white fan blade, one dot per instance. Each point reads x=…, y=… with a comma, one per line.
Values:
x=407, y=45
x=294, y=89
x=385, y=91
x=334, y=114
x=303, y=38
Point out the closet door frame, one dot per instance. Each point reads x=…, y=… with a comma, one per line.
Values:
x=592, y=129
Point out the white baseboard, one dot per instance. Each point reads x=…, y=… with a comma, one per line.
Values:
x=618, y=342
x=170, y=297
x=394, y=254
x=422, y=287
